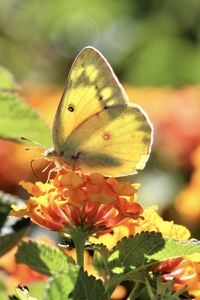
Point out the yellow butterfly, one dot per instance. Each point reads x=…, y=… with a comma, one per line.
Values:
x=96, y=128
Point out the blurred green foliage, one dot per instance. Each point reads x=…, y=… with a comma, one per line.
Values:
x=148, y=42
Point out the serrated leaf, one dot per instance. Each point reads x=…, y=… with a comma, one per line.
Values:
x=7, y=80
x=174, y=249
x=131, y=252
x=42, y=258
x=147, y=248
x=60, y=287
x=88, y=288
x=17, y=119
x=8, y=241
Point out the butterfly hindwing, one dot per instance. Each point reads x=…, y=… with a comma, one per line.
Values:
x=91, y=86
x=115, y=142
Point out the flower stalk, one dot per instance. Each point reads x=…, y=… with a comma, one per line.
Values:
x=79, y=238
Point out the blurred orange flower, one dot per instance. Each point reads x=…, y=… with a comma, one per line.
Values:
x=187, y=202
x=74, y=199
x=19, y=273
x=175, y=114
x=184, y=272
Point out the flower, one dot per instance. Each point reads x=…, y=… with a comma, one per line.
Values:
x=13, y=273
x=149, y=221
x=184, y=272
x=72, y=198
x=187, y=201
x=175, y=115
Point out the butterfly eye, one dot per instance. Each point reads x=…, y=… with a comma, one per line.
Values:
x=70, y=108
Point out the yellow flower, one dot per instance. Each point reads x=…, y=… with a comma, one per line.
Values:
x=149, y=221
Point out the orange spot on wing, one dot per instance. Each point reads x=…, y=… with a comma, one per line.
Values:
x=106, y=136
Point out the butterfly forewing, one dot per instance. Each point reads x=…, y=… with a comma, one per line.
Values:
x=91, y=87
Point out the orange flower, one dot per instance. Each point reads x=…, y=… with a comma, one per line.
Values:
x=184, y=272
x=187, y=201
x=75, y=199
x=13, y=273
x=175, y=115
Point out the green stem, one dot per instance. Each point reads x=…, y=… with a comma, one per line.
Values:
x=135, y=291
x=79, y=238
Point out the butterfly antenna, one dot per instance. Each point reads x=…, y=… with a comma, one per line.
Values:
x=33, y=142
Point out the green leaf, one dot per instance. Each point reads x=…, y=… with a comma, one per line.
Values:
x=88, y=288
x=3, y=291
x=145, y=249
x=131, y=252
x=174, y=249
x=42, y=258
x=61, y=286
x=3, y=295
x=37, y=289
x=17, y=119
x=164, y=291
x=7, y=80
x=21, y=293
x=8, y=241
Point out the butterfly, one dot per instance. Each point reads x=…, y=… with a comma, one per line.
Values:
x=96, y=128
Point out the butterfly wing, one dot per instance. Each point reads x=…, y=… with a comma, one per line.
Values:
x=114, y=142
x=91, y=87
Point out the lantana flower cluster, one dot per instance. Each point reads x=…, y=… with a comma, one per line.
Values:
x=91, y=202
x=100, y=205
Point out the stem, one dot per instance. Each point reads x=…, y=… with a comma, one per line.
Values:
x=135, y=291
x=79, y=238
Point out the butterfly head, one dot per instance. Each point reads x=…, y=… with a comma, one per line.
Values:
x=51, y=155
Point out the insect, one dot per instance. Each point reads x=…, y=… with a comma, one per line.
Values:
x=96, y=128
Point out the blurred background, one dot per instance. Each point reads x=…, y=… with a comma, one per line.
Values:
x=154, y=49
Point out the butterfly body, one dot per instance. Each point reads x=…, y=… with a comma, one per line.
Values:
x=95, y=128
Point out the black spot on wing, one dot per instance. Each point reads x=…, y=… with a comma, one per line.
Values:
x=71, y=108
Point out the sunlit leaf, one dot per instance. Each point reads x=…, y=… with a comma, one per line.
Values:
x=7, y=80
x=145, y=249
x=17, y=119
x=42, y=258
x=61, y=286
x=131, y=252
